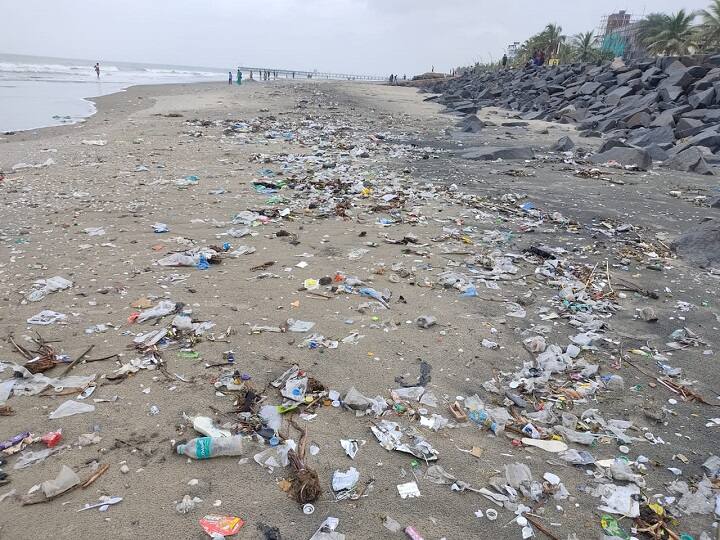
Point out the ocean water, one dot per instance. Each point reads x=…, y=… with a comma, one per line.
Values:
x=41, y=91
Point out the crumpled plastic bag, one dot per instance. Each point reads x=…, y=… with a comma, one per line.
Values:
x=276, y=456
x=70, y=408
x=701, y=501
x=345, y=480
x=437, y=475
x=179, y=259
x=517, y=474
x=361, y=404
x=246, y=217
x=46, y=317
x=161, y=309
x=299, y=326
x=620, y=500
x=270, y=417
x=48, y=286
x=65, y=479
x=29, y=384
x=578, y=437
x=391, y=437
x=28, y=457
x=535, y=344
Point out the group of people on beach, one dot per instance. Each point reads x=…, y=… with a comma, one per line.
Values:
x=538, y=59
x=394, y=78
x=265, y=75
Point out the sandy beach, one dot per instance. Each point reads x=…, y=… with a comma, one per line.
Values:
x=355, y=180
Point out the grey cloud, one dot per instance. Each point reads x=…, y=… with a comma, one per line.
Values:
x=358, y=36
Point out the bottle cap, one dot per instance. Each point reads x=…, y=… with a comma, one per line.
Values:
x=180, y=448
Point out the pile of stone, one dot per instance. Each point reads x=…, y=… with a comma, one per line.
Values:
x=666, y=110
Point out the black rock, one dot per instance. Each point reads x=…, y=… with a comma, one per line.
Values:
x=700, y=244
x=670, y=93
x=563, y=145
x=465, y=107
x=703, y=98
x=589, y=88
x=470, y=124
x=625, y=156
x=639, y=119
x=665, y=118
x=491, y=153
x=657, y=153
x=688, y=123
x=623, y=78
x=659, y=135
x=612, y=143
x=690, y=160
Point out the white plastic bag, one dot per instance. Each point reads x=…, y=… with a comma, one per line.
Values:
x=70, y=408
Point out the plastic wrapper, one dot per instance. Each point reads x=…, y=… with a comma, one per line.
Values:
x=221, y=525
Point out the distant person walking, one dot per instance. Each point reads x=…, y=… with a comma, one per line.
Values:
x=239, y=76
x=504, y=61
x=97, y=69
x=229, y=77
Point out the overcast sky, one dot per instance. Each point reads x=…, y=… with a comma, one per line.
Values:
x=348, y=36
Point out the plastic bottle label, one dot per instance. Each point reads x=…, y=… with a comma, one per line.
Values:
x=202, y=447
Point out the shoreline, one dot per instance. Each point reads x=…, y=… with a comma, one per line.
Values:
x=104, y=104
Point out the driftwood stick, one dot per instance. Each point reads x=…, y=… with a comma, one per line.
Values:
x=75, y=362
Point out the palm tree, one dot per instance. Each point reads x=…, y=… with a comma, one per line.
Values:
x=552, y=37
x=584, y=46
x=710, y=27
x=668, y=34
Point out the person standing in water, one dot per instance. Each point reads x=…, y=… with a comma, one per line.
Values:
x=97, y=69
x=229, y=77
x=239, y=76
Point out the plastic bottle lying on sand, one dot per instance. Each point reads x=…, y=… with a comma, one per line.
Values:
x=210, y=447
x=482, y=419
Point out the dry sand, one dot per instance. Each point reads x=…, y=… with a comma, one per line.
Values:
x=46, y=210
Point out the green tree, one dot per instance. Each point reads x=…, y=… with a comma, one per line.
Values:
x=552, y=38
x=709, y=31
x=668, y=34
x=584, y=48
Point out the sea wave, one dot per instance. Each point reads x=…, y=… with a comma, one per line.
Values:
x=13, y=67
x=181, y=72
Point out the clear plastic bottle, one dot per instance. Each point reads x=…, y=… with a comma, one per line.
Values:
x=210, y=447
x=482, y=419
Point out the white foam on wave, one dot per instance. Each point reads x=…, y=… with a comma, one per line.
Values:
x=13, y=67
x=181, y=72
